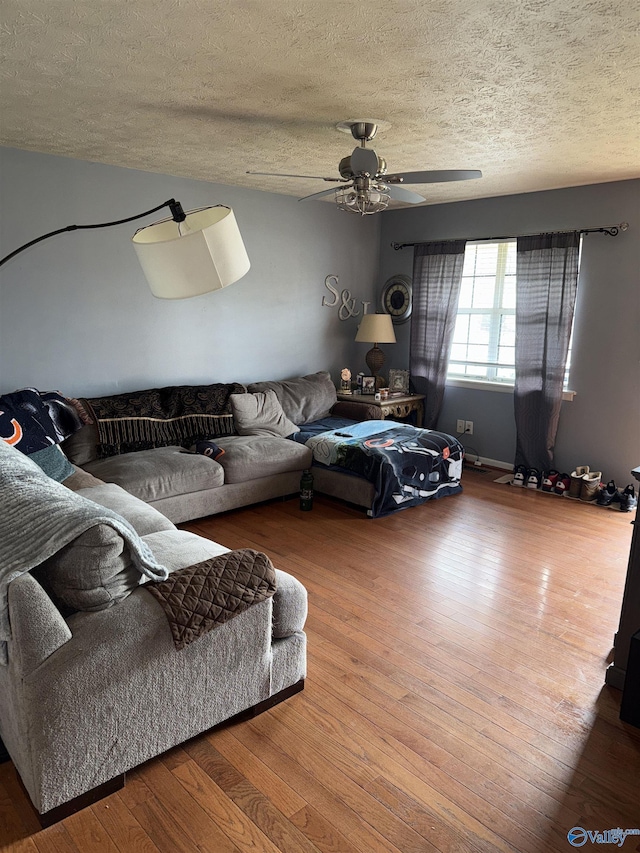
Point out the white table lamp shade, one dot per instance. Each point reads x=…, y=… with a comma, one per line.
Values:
x=376, y=329
x=201, y=254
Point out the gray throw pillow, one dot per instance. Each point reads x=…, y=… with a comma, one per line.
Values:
x=260, y=414
x=93, y=572
x=305, y=399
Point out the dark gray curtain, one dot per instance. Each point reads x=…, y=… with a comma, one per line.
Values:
x=546, y=281
x=437, y=273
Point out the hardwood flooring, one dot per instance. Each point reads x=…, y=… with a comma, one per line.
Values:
x=455, y=698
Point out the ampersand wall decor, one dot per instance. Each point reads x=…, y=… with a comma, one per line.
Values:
x=343, y=299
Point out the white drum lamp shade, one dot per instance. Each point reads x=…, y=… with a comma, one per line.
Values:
x=201, y=254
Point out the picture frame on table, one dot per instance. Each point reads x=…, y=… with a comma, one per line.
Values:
x=368, y=384
x=398, y=381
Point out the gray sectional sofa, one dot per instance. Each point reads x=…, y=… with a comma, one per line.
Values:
x=91, y=681
x=259, y=461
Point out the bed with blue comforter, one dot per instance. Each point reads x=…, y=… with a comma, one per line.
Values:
x=407, y=465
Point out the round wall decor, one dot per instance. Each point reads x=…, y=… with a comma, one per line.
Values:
x=396, y=298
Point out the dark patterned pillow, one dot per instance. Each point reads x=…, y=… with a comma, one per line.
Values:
x=209, y=448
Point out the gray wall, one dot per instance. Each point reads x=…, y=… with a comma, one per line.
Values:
x=600, y=427
x=76, y=313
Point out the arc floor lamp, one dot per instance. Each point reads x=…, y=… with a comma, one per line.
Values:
x=184, y=255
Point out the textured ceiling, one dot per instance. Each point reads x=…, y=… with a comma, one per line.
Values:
x=536, y=93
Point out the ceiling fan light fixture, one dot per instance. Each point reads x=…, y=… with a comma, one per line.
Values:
x=362, y=201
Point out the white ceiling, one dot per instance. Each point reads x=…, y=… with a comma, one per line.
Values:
x=537, y=94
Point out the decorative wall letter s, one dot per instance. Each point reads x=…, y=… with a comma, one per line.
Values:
x=331, y=289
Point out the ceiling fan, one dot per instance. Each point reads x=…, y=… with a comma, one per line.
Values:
x=365, y=187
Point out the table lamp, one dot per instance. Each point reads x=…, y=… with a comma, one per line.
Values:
x=376, y=329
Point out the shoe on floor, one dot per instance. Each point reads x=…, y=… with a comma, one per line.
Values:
x=576, y=480
x=533, y=478
x=608, y=494
x=628, y=499
x=519, y=475
x=549, y=479
x=562, y=485
x=589, y=486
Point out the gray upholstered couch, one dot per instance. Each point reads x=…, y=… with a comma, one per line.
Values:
x=259, y=461
x=89, y=693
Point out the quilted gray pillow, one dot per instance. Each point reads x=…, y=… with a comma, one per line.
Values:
x=260, y=414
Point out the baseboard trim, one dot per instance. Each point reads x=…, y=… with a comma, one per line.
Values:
x=496, y=463
x=615, y=677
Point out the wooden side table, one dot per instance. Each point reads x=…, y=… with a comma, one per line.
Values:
x=393, y=407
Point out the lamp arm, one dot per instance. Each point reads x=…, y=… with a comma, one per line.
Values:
x=176, y=211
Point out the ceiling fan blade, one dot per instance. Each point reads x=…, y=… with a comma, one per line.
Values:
x=317, y=195
x=400, y=194
x=364, y=160
x=434, y=177
x=282, y=175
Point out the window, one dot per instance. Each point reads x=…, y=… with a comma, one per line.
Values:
x=485, y=333
x=484, y=339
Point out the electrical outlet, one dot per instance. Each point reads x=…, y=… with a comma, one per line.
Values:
x=468, y=427
x=460, y=426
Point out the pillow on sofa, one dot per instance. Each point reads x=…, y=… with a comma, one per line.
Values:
x=53, y=462
x=305, y=399
x=91, y=573
x=260, y=414
x=82, y=447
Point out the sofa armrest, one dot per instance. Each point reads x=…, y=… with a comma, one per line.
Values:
x=289, y=606
x=37, y=627
x=356, y=410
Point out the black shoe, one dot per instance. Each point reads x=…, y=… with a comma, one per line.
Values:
x=519, y=475
x=533, y=479
x=608, y=494
x=628, y=499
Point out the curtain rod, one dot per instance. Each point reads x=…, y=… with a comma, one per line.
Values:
x=610, y=230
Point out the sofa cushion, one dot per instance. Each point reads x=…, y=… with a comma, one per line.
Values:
x=247, y=457
x=260, y=414
x=177, y=549
x=93, y=572
x=143, y=518
x=80, y=479
x=159, y=473
x=82, y=447
x=304, y=399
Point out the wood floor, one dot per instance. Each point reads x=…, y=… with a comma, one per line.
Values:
x=455, y=698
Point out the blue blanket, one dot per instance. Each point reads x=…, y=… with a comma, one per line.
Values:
x=407, y=465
